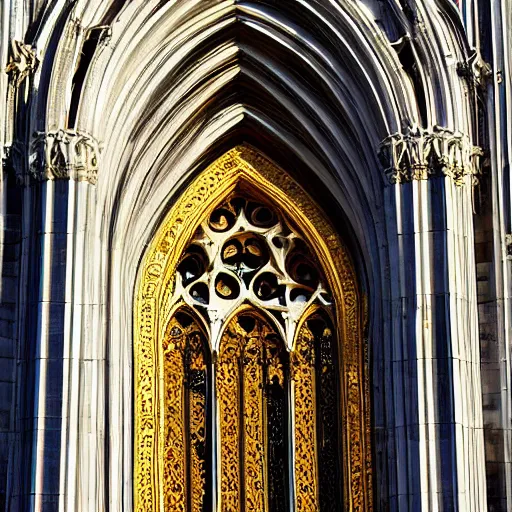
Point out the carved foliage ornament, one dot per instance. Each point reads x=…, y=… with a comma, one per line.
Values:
x=22, y=62
x=64, y=154
x=418, y=154
x=238, y=170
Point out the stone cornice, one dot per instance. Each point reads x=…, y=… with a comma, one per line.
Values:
x=417, y=154
x=64, y=154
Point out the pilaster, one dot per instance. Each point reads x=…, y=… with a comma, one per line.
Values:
x=18, y=61
x=58, y=185
x=434, y=358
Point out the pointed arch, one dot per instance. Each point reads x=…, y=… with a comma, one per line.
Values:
x=186, y=396
x=251, y=385
x=244, y=169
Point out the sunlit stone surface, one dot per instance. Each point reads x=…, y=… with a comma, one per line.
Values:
x=393, y=115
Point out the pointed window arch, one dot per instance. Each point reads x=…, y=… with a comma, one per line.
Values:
x=252, y=399
x=186, y=371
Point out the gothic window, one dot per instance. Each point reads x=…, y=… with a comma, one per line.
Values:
x=250, y=366
x=251, y=373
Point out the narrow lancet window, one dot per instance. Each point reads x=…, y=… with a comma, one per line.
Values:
x=186, y=401
x=250, y=390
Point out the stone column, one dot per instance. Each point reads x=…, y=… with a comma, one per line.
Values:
x=433, y=359
x=19, y=61
x=62, y=173
x=494, y=251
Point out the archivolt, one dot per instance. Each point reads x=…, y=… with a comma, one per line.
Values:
x=173, y=83
x=180, y=71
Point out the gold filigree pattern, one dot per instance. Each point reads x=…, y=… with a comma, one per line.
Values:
x=306, y=460
x=254, y=447
x=245, y=358
x=185, y=401
x=197, y=421
x=276, y=432
x=175, y=442
x=228, y=396
x=245, y=169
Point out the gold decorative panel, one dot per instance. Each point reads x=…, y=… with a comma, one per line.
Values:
x=158, y=438
x=306, y=457
x=185, y=419
x=228, y=393
x=248, y=362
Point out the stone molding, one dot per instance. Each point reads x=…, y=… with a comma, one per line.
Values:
x=22, y=62
x=475, y=70
x=64, y=154
x=418, y=154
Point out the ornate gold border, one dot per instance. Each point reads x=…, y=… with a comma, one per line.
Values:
x=244, y=167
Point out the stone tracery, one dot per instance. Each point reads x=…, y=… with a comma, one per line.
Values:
x=246, y=252
x=245, y=258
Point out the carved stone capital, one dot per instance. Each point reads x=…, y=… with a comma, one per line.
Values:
x=418, y=154
x=22, y=62
x=64, y=154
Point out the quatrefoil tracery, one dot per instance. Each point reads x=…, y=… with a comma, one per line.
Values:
x=246, y=253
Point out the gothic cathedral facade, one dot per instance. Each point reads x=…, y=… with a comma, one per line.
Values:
x=256, y=255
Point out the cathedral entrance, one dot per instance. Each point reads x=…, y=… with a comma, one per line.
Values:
x=249, y=360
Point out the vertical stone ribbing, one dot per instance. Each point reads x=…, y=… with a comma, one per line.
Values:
x=433, y=208
x=494, y=249
x=41, y=357
x=396, y=397
x=17, y=63
x=76, y=424
x=9, y=292
x=425, y=329
x=465, y=350
x=53, y=409
x=91, y=440
x=9, y=234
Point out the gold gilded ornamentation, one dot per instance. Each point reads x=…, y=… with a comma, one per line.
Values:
x=196, y=387
x=245, y=169
x=254, y=438
x=245, y=359
x=228, y=396
x=175, y=442
x=185, y=401
x=306, y=460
